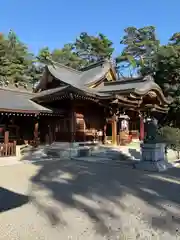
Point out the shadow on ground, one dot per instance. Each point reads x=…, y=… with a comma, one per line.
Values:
x=75, y=184
x=134, y=153
x=10, y=200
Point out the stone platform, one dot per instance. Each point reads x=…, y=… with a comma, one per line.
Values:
x=69, y=150
x=86, y=150
x=60, y=150
x=152, y=158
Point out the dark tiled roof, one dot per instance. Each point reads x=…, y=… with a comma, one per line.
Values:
x=15, y=100
x=76, y=79
x=64, y=74
x=94, y=74
x=84, y=91
x=49, y=92
x=137, y=84
x=79, y=78
x=140, y=86
x=80, y=81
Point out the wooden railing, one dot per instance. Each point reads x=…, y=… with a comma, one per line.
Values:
x=7, y=149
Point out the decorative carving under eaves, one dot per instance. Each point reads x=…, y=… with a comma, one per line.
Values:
x=152, y=94
x=125, y=100
x=134, y=97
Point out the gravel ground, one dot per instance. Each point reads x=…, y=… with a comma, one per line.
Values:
x=74, y=200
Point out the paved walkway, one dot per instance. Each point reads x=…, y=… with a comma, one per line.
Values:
x=7, y=161
x=78, y=200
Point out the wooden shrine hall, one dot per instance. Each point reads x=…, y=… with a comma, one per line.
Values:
x=69, y=105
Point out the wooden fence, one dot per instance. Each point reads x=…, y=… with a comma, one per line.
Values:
x=7, y=149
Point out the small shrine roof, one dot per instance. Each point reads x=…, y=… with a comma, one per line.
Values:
x=139, y=86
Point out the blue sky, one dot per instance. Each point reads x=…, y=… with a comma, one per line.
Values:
x=53, y=23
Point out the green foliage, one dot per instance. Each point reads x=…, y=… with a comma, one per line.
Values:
x=15, y=61
x=20, y=67
x=93, y=48
x=171, y=136
x=44, y=56
x=175, y=39
x=166, y=72
x=140, y=45
x=86, y=50
x=167, y=69
x=68, y=57
x=143, y=54
x=4, y=62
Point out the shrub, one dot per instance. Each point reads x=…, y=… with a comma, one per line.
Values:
x=171, y=136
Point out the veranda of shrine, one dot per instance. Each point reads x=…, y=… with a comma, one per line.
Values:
x=74, y=106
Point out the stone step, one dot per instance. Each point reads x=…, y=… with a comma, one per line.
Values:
x=69, y=152
x=74, y=144
x=106, y=160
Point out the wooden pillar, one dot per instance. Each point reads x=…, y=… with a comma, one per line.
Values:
x=141, y=135
x=47, y=140
x=84, y=130
x=6, y=141
x=36, y=132
x=73, y=124
x=114, y=130
x=104, y=133
x=50, y=134
x=6, y=137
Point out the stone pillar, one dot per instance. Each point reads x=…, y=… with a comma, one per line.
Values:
x=141, y=135
x=114, y=130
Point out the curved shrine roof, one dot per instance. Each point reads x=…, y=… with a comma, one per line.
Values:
x=81, y=80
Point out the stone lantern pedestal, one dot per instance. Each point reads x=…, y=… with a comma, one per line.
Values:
x=153, y=157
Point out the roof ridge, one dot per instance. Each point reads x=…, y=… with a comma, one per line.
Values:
x=133, y=79
x=119, y=82
x=96, y=64
x=64, y=66
x=51, y=91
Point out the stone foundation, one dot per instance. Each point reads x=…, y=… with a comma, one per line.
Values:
x=71, y=150
x=153, y=158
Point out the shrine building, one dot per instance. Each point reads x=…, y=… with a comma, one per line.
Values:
x=78, y=106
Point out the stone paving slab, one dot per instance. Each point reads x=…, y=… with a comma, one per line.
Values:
x=90, y=202
x=8, y=161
